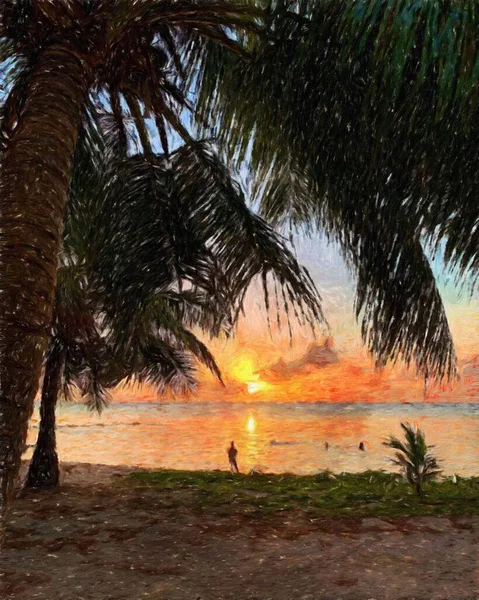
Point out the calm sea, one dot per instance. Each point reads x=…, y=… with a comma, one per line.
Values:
x=277, y=437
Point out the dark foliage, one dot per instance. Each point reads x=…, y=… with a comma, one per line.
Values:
x=62, y=52
x=361, y=117
x=138, y=231
x=187, y=221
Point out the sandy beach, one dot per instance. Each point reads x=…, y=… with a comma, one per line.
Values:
x=93, y=539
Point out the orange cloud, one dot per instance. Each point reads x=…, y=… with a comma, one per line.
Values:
x=260, y=364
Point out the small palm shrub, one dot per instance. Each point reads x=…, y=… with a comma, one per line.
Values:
x=414, y=457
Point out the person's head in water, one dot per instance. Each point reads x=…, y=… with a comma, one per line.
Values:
x=361, y=446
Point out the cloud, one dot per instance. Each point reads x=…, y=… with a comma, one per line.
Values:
x=316, y=357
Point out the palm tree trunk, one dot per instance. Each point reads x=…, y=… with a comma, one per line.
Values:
x=44, y=470
x=34, y=181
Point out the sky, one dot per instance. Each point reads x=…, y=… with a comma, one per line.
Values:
x=353, y=378
x=246, y=360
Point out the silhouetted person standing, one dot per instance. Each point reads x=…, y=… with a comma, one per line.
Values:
x=232, y=454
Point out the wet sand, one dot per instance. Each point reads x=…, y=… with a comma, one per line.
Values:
x=94, y=540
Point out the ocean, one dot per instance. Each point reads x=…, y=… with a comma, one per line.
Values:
x=286, y=437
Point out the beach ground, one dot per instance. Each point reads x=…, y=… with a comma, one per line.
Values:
x=96, y=539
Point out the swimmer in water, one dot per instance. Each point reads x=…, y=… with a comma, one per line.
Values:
x=362, y=447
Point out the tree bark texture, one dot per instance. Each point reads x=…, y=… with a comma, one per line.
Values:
x=44, y=470
x=34, y=182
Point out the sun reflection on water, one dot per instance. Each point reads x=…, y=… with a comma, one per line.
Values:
x=252, y=445
x=282, y=437
x=251, y=424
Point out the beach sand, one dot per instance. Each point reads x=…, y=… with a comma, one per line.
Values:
x=94, y=540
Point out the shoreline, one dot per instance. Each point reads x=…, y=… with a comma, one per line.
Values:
x=76, y=473
x=84, y=474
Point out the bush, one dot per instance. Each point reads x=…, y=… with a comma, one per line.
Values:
x=413, y=456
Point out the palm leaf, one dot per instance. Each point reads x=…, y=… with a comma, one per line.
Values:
x=165, y=367
x=158, y=316
x=188, y=221
x=414, y=456
x=215, y=210
x=348, y=100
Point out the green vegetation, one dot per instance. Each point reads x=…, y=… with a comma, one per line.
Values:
x=371, y=493
x=340, y=117
x=414, y=458
x=49, y=75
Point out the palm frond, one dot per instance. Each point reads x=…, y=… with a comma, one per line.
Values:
x=135, y=216
x=398, y=299
x=214, y=208
x=414, y=456
x=157, y=12
x=160, y=320
x=187, y=220
x=395, y=443
x=349, y=99
x=196, y=309
x=165, y=367
x=15, y=73
x=97, y=143
x=95, y=396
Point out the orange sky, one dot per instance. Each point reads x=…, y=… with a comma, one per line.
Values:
x=354, y=378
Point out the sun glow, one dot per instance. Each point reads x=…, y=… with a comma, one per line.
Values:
x=254, y=386
x=251, y=425
x=245, y=372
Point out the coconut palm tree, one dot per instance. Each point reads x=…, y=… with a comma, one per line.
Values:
x=359, y=189
x=413, y=456
x=82, y=357
x=361, y=118
x=137, y=234
x=77, y=354
x=67, y=49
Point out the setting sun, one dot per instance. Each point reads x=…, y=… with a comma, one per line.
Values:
x=244, y=370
